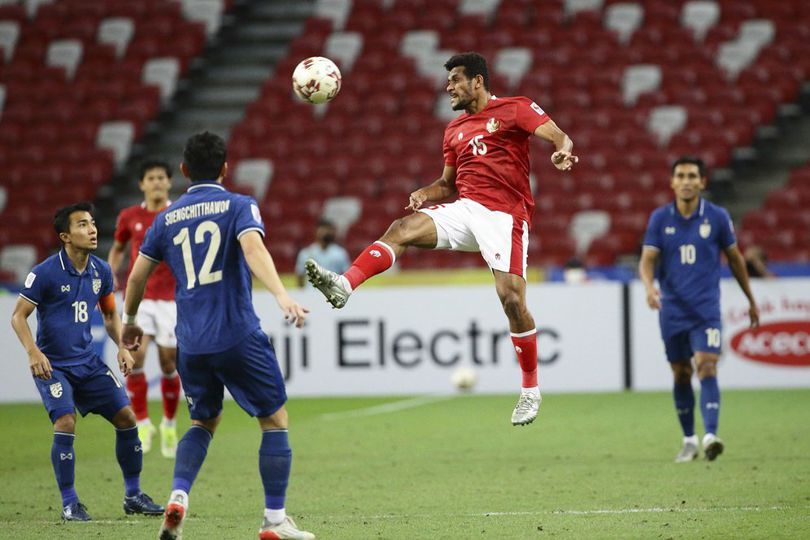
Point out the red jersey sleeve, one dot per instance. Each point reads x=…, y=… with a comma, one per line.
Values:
x=122, y=231
x=529, y=115
x=450, y=156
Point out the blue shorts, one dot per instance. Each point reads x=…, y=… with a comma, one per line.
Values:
x=703, y=337
x=89, y=387
x=249, y=371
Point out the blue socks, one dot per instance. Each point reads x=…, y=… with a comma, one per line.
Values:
x=710, y=403
x=191, y=451
x=130, y=458
x=685, y=407
x=275, y=458
x=64, y=464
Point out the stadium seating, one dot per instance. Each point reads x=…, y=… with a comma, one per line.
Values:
x=80, y=81
x=635, y=84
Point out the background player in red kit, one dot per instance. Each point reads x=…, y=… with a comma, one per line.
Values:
x=486, y=163
x=157, y=314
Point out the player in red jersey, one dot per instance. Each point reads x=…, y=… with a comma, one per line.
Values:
x=157, y=314
x=486, y=164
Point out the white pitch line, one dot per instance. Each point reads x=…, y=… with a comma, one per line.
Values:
x=385, y=408
x=560, y=512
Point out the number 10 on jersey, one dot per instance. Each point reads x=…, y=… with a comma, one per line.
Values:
x=183, y=239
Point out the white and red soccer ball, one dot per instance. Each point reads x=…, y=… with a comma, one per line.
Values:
x=316, y=80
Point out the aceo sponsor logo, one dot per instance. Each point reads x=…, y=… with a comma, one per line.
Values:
x=785, y=343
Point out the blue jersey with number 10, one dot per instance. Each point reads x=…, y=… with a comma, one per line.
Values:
x=198, y=237
x=689, y=262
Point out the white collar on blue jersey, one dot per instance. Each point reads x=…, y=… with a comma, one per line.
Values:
x=70, y=268
x=205, y=184
x=674, y=209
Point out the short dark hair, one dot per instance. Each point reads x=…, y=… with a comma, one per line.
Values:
x=690, y=160
x=204, y=156
x=473, y=63
x=154, y=163
x=61, y=219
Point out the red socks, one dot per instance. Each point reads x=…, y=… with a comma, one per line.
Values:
x=137, y=388
x=170, y=388
x=375, y=259
x=526, y=348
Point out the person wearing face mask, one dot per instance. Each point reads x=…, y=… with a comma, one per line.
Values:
x=324, y=250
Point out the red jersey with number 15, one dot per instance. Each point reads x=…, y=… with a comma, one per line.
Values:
x=131, y=227
x=490, y=151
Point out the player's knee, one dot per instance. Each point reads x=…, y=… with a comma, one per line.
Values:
x=682, y=373
x=397, y=232
x=209, y=423
x=124, y=419
x=707, y=369
x=513, y=304
x=65, y=423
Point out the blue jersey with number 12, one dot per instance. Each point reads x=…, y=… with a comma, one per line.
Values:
x=198, y=237
x=689, y=262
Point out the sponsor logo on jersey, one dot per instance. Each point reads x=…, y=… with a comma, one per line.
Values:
x=785, y=343
x=65, y=288
x=29, y=279
x=460, y=135
x=257, y=216
x=96, y=286
x=669, y=230
x=705, y=229
x=493, y=125
x=138, y=226
x=56, y=389
x=537, y=109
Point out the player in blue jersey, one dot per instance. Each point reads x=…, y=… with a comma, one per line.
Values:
x=64, y=289
x=212, y=240
x=687, y=237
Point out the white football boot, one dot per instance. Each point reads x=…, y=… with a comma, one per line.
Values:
x=328, y=282
x=286, y=530
x=528, y=405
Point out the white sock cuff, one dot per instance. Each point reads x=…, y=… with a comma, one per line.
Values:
x=390, y=250
x=524, y=334
x=172, y=375
x=138, y=371
x=64, y=433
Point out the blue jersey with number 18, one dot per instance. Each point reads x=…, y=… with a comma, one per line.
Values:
x=689, y=262
x=198, y=237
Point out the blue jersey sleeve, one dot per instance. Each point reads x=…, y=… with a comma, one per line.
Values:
x=248, y=217
x=151, y=247
x=35, y=284
x=652, y=237
x=727, y=238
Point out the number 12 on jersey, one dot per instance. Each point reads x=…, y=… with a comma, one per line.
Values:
x=183, y=239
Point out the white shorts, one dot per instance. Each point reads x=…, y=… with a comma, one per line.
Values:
x=465, y=225
x=158, y=318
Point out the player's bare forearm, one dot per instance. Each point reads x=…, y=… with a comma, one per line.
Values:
x=736, y=263
x=563, y=157
x=112, y=323
x=261, y=262
x=115, y=256
x=442, y=188
x=646, y=267
x=136, y=285
x=19, y=322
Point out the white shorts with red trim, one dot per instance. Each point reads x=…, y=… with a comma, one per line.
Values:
x=158, y=318
x=465, y=225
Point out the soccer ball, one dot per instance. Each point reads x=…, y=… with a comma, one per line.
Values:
x=464, y=379
x=316, y=80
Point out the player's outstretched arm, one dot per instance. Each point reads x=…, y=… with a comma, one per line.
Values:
x=562, y=158
x=113, y=326
x=442, y=188
x=38, y=362
x=114, y=258
x=261, y=264
x=646, y=271
x=736, y=263
x=131, y=333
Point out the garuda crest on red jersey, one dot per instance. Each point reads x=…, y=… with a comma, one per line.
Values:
x=493, y=125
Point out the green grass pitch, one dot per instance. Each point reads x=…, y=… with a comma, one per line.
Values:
x=591, y=466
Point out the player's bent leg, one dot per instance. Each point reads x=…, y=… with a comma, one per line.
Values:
x=706, y=362
x=275, y=459
x=129, y=454
x=414, y=230
x=511, y=290
x=191, y=452
x=684, y=398
x=170, y=390
x=137, y=390
x=64, y=464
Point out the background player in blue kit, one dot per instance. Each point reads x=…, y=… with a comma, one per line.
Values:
x=212, y=240
x=688, y=236
x=64, y=289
